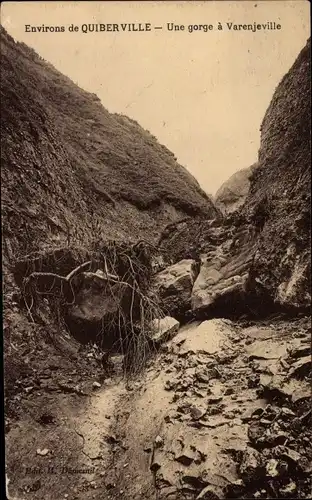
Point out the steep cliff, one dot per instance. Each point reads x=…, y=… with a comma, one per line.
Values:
x=72, y=171
x=279, y=200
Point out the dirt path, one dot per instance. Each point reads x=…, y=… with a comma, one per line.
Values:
x=191, y=426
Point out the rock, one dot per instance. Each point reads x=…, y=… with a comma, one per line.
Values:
x=164, y=329
x=170, y=385
x=202, y=375
x=290, y=456
x=253, y=381
x=96, y=303
x=286, y=413
x=186, y=457
x=219, y=279
x=262, y=436
x=284, y=388
x=288, y=490
x=159, y=442
x=201, y=393
x=197, y=413
x=228, y=391
x=96, y=385
x=210, y=492
x=275, y=468
x=299, y=352
x=271, y=468
x=174, y=286
x=43, y=452
x=255, y=432
x=215, y=400
x=234, y=489
x=250, y=467
x=266, y=350
x=212, y=422
x=277, y=203
x=155, y=464
x=301, y=368
x=232, y=194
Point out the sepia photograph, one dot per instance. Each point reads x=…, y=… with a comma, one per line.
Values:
x=156, y=275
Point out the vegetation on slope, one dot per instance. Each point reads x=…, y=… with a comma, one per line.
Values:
x=70, y=168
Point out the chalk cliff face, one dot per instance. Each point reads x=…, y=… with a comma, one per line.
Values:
x=279, y=198
x=72, y=171
x=233, y=193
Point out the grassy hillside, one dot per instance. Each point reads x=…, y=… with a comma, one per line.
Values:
x=71, y=169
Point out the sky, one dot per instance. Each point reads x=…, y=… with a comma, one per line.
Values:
x=202, y=94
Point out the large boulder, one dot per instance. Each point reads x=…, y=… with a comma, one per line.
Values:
x=174, y=287
x=222, y=276
x=96, y=308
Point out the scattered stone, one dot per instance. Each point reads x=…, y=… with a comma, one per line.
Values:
x=265, y=350
x=202, y=375
x=250, y=467
x=159, y=442
x=174, y=285
x=301, y=368
x=46, y=418
x=164, y=329
x=275, y=468
x=155, y=465
x=213, y=422
x=210, y=492
x=264, y=421
x=255, y=432
x=214, y=400
x=200, y=393
x=96, y=385
x=170, y=384
x=234, y=489
x=271, y=468
x=43, y=452
x=286, y=413
x=186, y=457
x=289, y=455
x=197, y=413
x=250, y=414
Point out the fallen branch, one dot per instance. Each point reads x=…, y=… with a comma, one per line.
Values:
x=70, y=276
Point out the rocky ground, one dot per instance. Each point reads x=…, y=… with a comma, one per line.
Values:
x=223, y=411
